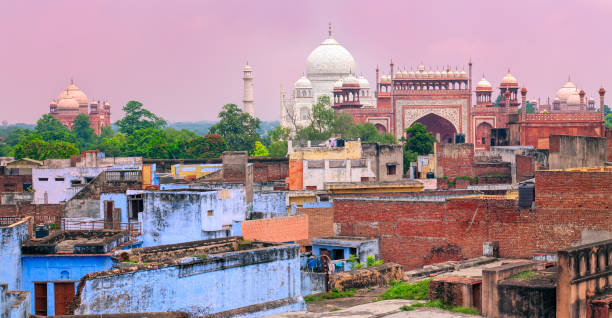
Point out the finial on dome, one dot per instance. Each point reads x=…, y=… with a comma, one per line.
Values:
x=569, y=78
x=329, y=30
x=71, y=79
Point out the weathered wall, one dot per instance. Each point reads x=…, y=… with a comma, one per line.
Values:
x=119, y=202
x=609, y=144
x=42, y=213
x=525, y=168
x=583, y=272
x=272, y=203
x=181, y=216
x=456, y=291
x=280, y=229
x=270, y=169
x=320, y=222
x=576, y=151
x=455, y=160
x=415, y=233
x=491, y=277
x=13, y=304
x=234, y=280
x=10, y=198
x=11, y=238
x=312, y=283
x=526, y=299
x=381, y=155
x=318, y=172
x=366, y=277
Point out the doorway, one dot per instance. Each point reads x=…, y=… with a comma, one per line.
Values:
x=64, y=293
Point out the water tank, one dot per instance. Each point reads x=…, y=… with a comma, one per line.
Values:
x=430, y=175
x=526, y=194
x=340, y=142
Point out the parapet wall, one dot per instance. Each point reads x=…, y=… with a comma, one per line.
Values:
x=584, y=272
x=11, y=238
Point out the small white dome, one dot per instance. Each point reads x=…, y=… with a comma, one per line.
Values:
x=430, y=73
x=350, y=80
x=411, y=73
x=303, y=82
x=398, y=74
x=421, y=68
x=437, y=74
x=457, y=74
x=509, y=79
x=363, y=82
x=404, y=74
x=463, y=73
x=338, y=84
x=483, y=83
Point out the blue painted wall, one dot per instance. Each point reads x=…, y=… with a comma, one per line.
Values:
x=201, y=288
x=316, y=249
x=119, y=201
x=272, y=202
x=10, y=254
x=42, y=268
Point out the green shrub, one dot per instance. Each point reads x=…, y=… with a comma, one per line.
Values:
x=464, y=310
x=402, y=290
x=379, y=262
x=406, y=308
x=370, y=261
x=335, y=309
x=526, y=275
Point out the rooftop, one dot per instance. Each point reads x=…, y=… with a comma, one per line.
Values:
x=76, y=242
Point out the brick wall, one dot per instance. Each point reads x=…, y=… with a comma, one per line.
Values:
x=320, y=223
x=13, y=183
x=270, y=170
x=417, y=233
x=609, y=150
x=43, y=213
x=525, y=167
x=455, y=160
x=284, y=229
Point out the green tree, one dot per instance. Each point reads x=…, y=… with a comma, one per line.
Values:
x=209, y=146
x=238, y=129
x=136, y=117
x=260, y=150
x=34, y=147
x=278, y=149
x=113, y=146
x=419, y=142
x=106, y=132
x=606, y=110
x=608, y=120
x=276, y=134
x=85, y=136
x=49, y=129
x=149, y=143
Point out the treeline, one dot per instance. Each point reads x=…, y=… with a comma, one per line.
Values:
x=142, y=133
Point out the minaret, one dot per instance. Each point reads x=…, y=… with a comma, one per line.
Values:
x=247, y=101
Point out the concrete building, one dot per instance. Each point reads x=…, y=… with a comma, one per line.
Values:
x=228, y=277
x=196, y=171
x=311, y=167
x=53, y=265
x=339, y=248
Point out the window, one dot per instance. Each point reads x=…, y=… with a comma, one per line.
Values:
x=483, y=140
x=135, y=205
x=337, y=254
x=43, y=179
x=88, y=179
x=210, y=212
x=59, y=179
x=27, y=186
x=353, y=251
x=75, y=182
x=391, y=170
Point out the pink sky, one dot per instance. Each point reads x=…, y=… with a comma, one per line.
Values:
x=184, y=59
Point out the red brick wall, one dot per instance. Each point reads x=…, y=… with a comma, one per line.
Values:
x=13, y=183
x=525, y=167
x=285, y=229
x=320, y=223
x=266, y=171
x=454, y=160
x=43, y=213
x=419, y=233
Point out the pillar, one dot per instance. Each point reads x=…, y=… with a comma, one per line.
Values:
x=524, y=103
x=581, y=100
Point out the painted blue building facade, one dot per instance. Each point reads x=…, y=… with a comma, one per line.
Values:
x=49, y=270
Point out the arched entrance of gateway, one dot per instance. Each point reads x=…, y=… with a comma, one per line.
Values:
x=440, y=127
x=381, y=129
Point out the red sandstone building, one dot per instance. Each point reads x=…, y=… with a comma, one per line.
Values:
x=72, y=101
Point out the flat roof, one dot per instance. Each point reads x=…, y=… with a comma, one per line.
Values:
x=69, y=242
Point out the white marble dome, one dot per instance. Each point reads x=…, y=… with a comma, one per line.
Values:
x=509, y=79
x=363, y=82
x=566, y=91
x=68, y=102
x=573, y=100
x=350, y=80
x=483, y=83
x=329, y=58
x=303, y=82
